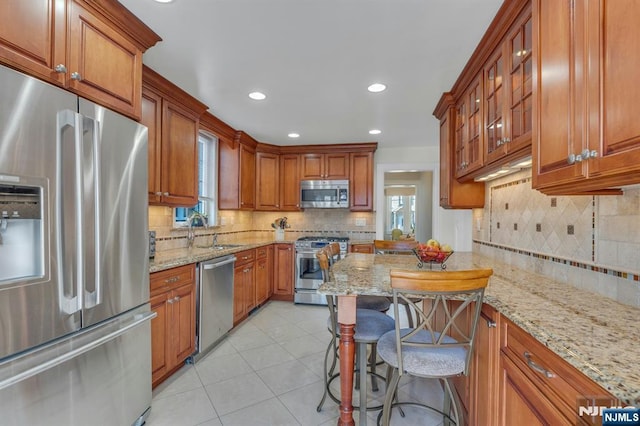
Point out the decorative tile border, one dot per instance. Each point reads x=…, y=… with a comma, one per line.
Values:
x=298, y=233
x=603, y=270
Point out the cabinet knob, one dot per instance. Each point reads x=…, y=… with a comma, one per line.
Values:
x=166, y=194
x=499, y=142
x=61, y=69
x=506, y=140
x=574, y=158
x=159, y=194
x=170, y=301
x=491, y=324
x=176, y=299
x=590, y=154
x=76, y=76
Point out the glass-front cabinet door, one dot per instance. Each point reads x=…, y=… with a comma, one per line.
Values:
x=520, y=99
x=494, y=95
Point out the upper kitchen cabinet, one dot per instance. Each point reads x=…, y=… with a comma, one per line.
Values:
x=267, y=181
x=453, y=194
x=277, y=179
x=586, y=135
x=324, y=166
x=361, y=181
x=67, y=42
x=508, y=86
x=289, y=182
x=469, y=137
x=237, y=173
x=172, y=117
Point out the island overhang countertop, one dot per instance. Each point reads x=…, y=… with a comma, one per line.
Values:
x=597, y=335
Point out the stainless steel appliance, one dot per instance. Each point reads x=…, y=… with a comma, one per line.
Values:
x=74, y=272
x=308, y=272
x=215, y=302
x=326, y=194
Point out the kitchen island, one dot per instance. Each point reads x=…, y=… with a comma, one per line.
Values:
x=596, y=335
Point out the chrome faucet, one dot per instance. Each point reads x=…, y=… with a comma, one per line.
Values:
x=191, y=233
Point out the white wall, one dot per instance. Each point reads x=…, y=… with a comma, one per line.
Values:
x=449, y=226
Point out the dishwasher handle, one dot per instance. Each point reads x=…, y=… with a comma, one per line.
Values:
x=213, y=265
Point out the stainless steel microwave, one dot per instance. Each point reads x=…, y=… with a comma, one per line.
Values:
x=324, y=194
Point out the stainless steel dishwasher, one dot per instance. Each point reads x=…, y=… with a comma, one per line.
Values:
x=215, y=302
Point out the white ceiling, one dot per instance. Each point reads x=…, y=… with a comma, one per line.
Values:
x=314, y=60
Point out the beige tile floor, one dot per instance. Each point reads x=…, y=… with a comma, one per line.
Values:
x=268, y=371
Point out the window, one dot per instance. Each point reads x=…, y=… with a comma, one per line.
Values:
x=401, y=209
x=207, y=174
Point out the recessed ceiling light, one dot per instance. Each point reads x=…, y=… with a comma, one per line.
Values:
x=164, y=1
x=375, y=132
x=258, y=96
x=376, y=87
x=294, y=135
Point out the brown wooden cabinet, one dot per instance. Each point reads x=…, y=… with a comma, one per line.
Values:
x=67, y=43
x=453, y=194
x=172, y=118
x=539, y=387
x=361, y=248
x=244, y=285
x=586, y=136
x=289, y=182
x=324, y=166
x=283, y=271
x=361, y=181
x=484, y=377
x=267, y=181
x=173, y=330
x=508, y=89
x=469, y=136
x=237, y=173
x=264, y=274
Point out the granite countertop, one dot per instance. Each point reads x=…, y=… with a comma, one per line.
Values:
x=597, y=335
x=168, y=259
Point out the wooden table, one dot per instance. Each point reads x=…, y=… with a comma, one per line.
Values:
x=365, y=274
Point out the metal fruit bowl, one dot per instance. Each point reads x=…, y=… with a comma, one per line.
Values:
x=431, y=257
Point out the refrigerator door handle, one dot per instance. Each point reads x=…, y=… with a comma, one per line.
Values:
x=40, y=367
x=68, y=294
x=91, y=211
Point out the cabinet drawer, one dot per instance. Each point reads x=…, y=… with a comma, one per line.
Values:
x=261, y=252
x=555, y=377
x=172, y=278
x=246, y=256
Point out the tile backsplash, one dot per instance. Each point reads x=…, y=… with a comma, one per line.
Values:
x=230, y=223
x=591, y=242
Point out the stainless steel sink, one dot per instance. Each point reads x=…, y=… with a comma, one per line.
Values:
x=220, y=246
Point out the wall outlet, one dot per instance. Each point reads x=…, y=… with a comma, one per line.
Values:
x=361, y=222
x=223, y=220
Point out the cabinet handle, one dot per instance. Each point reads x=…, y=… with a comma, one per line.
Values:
x=176, y=299
x=491, y=324
x=499, y=142
x=593, y=154
x=506, y=140
x=574, y=158
x=172, y=280
x=537, y=367
x=166, y=194
x=170, y=301
x=246, y=270
x=76, y=76
x=159, y=194
x=61, y=69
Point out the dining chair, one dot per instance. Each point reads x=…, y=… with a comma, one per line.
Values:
x=394, y=246
x=370, y=325
x=397, y=247
x=440, y=345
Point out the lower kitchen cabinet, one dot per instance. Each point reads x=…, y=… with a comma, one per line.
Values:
x=484, y=378
x=283, y=272
x=244, y=288
x=173, y=330
x=264, y=274
x=539, y=387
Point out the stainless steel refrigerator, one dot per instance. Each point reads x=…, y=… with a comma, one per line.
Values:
x=74, y=284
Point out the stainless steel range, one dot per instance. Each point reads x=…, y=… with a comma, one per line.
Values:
x=308, y=273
